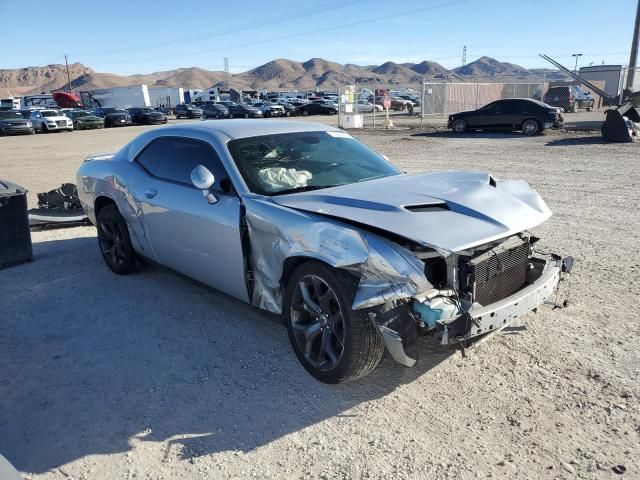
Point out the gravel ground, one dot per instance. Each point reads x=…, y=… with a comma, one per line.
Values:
x=153, y=376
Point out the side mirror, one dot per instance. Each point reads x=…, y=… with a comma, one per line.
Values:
x=203, y=180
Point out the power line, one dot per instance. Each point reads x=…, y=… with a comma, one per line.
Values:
x=238, y=28
x=301, y=34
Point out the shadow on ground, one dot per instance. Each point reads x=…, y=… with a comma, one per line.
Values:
x=569, y=141
x=476, y=135
x=94, y=362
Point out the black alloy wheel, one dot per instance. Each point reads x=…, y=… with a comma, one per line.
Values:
x=333, y=342
x=114, y=241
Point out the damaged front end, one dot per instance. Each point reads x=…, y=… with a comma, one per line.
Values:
x=476, y=292
x=403, y=287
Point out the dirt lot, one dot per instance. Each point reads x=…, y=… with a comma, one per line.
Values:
x=153, y=376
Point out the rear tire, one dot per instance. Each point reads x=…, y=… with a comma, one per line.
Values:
x=334, y=343
x=114, y=241
x=575, y=107
x=531, y=127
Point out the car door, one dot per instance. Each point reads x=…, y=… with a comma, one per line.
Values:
x=36, y=120
x=486, y=117
x=186, y=233
x=516, y=111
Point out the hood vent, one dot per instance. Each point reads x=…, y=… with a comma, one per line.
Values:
x=430, y=207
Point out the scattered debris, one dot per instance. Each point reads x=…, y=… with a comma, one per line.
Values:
x=58, y=208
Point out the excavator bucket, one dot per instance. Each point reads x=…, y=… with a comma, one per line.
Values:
x=621, y=124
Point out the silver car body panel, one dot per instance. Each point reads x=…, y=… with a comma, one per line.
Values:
x=342, y=226
x=386, y=270
x=477, y=209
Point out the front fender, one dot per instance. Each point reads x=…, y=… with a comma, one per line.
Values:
x=276, y=233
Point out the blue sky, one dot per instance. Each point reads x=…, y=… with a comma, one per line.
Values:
x=140, y=36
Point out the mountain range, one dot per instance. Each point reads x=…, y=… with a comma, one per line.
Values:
x=315, y=73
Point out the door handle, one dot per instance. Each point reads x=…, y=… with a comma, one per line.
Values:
x=150, y=193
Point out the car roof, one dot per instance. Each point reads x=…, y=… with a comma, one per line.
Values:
x=243, y=128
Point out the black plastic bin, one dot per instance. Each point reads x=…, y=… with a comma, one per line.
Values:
x=15, y=237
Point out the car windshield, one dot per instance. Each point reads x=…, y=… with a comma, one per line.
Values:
x=114, y=110
x=289, y=162
x=146, y=110
x=50, y=113
x=10, y=115
x=80, y=114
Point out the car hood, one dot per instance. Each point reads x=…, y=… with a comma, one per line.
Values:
x=448, y=211
x=56, y=119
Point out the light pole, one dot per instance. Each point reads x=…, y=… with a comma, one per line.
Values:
x=577, y=55
x=634, y=51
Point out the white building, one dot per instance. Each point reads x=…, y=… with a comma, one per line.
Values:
x=613, y=76
x=166, y=97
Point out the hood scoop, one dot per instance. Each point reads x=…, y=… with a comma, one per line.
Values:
x=429, y=207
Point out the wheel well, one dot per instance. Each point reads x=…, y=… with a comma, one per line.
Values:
x=534, y=119
x=101, y=202
x=291, y=263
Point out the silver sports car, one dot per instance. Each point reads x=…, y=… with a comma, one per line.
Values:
x=303, y=220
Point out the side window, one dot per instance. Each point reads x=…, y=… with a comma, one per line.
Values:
x=173, y=159
x=512, y=106
x=150, y=157
x=490, y=108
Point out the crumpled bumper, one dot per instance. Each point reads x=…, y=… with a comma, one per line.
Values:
x=480, y=320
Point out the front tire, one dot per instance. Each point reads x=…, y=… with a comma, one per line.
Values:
x=333, y=342
x=531, y=127
x=114, y=241
x=590, y=107
x=459, y=126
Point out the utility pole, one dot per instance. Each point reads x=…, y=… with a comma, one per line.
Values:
x=577, y=55
x=226, y=73
x=464, y=54
x=68, y=76
x=633, y=59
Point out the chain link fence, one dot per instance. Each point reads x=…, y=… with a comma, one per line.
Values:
x=430, y=104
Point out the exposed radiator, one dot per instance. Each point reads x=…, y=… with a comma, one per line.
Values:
x=496, y=273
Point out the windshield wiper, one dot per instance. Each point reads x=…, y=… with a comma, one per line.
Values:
x=306, y=188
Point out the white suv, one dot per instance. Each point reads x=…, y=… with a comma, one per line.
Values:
x=269, y=109
x=50, y=120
